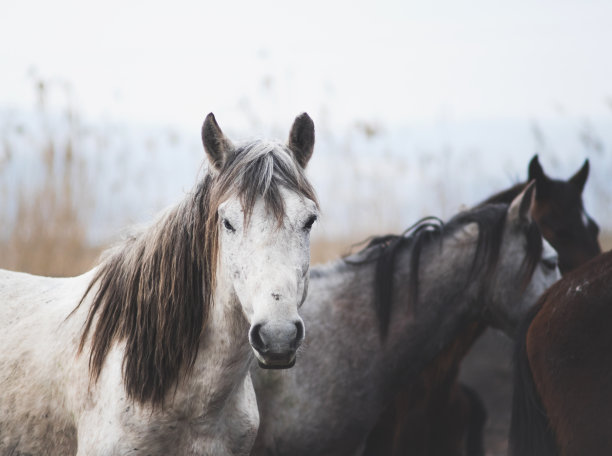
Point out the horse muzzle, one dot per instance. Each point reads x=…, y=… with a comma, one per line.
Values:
x=275, y=343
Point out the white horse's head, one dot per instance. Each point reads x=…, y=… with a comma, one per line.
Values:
x=265, y=210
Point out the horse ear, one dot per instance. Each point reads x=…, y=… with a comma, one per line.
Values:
x=536, y=172
x=535, y=169
x=216, y=145
x=579, y=179
x=302, y=138
x=520, y=208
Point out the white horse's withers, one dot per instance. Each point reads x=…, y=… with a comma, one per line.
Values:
x=149, y=352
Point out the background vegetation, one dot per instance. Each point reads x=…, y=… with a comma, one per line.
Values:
x=67, y=188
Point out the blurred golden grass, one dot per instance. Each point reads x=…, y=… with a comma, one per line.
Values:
x=48, y=236
x=48, y=233
x=605, y=239
x=324, y=250
x=50, y=248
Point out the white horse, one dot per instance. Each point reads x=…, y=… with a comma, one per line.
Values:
x=149, y=353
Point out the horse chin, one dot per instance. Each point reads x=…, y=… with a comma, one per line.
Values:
x=276, y=362
x=276, y=366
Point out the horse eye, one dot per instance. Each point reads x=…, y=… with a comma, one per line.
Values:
x=310, y=222
x=228, y=226
x=550, y=263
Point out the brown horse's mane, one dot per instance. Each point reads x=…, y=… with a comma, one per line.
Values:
x=506, y=196
x=155, y=290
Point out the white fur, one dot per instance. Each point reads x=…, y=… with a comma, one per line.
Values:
x=47, y=405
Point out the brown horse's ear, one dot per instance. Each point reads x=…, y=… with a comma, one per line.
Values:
x=302, y=138
x=579, y=179
x=520, y=207
x=536, y=173
x=216, y=145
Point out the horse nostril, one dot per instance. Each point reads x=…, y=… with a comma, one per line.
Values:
x=255, y=338
x=299, y=326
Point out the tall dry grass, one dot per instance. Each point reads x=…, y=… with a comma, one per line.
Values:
x=45, y=211
x=47, y=236
x=45, y=233
x=45, y=217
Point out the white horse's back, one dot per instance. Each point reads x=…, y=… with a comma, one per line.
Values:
x=23, y=294
x=37, y=358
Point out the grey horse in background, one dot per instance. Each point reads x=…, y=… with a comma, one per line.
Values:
x=381, y=315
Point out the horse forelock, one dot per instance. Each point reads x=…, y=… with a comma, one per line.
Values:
x=259, y=170
x=155, y=290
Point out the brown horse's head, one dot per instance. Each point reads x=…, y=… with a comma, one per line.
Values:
x=559, y=212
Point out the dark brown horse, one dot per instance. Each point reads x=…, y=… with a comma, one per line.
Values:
x=440, y=417
x=563, y=368
x=560, y=214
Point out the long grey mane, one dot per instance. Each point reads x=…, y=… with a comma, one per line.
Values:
x=490, y=218
x=155, y=290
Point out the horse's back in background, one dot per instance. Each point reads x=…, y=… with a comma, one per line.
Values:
x=563, y=368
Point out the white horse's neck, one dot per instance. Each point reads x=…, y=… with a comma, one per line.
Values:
x=206, y=403
x=223, y=358
x=225, y=339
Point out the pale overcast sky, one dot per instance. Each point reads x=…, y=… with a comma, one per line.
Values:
x=384, y=60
